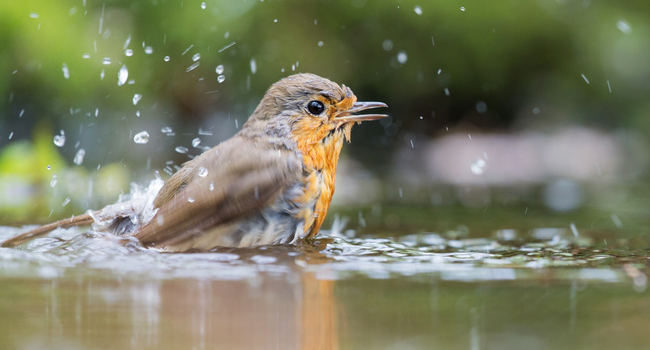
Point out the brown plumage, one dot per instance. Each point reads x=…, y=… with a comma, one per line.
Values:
x=271, y=183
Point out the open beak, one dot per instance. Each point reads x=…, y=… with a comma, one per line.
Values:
x=349, y=116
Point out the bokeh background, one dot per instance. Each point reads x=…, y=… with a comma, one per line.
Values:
x=501, y=111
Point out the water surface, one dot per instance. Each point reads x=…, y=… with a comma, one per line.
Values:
x=541, y=288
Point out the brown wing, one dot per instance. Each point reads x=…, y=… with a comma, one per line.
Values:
x=228, y=182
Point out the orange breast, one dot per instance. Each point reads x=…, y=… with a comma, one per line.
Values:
x=320, y=159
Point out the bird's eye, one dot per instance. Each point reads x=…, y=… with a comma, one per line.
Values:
x=315, y=107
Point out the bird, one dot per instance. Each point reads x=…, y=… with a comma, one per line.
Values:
x=270, y=183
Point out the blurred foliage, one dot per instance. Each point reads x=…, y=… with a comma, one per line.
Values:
x=35, y=181
x=440, y=65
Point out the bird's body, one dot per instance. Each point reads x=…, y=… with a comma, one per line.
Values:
x=271, y=183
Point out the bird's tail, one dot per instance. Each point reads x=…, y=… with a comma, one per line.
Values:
x=78, y=220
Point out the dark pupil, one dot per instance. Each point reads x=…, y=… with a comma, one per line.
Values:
x=315, y=107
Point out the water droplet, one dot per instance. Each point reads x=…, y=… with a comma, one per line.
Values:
x=439, y=71
x=79, y=156
x=166, y=58
x=128, y=52
x=203, y=5
x=205, y=132
x=203, y=172
x=11, y=135
x=66, y=71
x=211, y=187
x=66, y=201
x=402, y=57
x=584, y=77
x=609, y=87
x=387, y=45
x=85, y=56
x=33, y=15
x=447, y=92
x=478, y=167
x=536, y=110
x=166, y=130
x=141, y=138
x=196, y=142
x=253, y=66
x=122, y=75
x=49, y=167
x=192, y=67
x=148, y=50
x=53, y=181
x=320, y=43
x=136, y=99
x=462, y=8
x=181, y=149
x=190, y=199
x=106, y=61
x=196, y=57
x=102, y=74
x=418, y=10
x=481, y=107
x=221, y=78
x=59, y=140
x=275, y=20
x=623, y=26
x=219, y=69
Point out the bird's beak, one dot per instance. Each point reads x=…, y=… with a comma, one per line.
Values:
x=349, y=116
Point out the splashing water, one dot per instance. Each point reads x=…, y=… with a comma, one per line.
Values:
x=253, y=65
x=122, y=75
x=136, y=99
x=79, y=156
x=478, y=166
x=59, y=140
x=623, y=26
x=66, y=71
x=427, y=254
x=203, y=172
x=141, y=138
x=402, y=57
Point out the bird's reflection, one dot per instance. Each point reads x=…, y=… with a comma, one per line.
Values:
x=272, y=310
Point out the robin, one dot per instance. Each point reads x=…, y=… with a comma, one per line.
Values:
x=271, y=183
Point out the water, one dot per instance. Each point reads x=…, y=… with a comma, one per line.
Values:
x=79, y=156
x=59, y=139
x=122, y=75
x=539, y=288
x=141, y=138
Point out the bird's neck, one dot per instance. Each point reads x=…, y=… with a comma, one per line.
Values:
x=320, y=158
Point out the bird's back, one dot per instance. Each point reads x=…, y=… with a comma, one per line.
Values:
x=239, y=193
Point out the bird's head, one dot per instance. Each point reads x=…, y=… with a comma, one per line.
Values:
x=308, y=109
